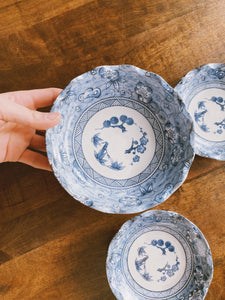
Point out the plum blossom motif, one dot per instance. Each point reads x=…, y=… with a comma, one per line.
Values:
x=111, y=75
x=167, y=271
x=144, y=92
x=137, y=147
x=221, y=126
x=171, y=133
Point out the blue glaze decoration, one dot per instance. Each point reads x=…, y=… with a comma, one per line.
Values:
x=176, y=264
x=202, y=90
x=124, y=141
x=166, y=270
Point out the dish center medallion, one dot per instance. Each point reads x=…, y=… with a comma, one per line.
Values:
x=118, y=142
x=207, y=109
x=156, y=261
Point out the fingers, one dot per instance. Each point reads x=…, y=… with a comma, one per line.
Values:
x=13, y=112
x=33, y=98
x=18, y=107
x=38, y=143
x=35, y=160
x=43, y=97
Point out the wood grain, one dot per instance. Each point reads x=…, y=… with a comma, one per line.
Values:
x=51, y=246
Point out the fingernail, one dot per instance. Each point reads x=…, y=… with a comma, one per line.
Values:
x=52, y=116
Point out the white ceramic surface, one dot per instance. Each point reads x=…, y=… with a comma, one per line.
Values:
x=159, y=255
x=124, y=143
x=203, y=92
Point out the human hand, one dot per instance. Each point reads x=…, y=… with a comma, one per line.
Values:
x=19, y=121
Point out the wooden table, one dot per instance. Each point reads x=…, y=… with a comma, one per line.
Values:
x=51, y=246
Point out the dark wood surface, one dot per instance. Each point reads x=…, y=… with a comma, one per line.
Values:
x=51, y=246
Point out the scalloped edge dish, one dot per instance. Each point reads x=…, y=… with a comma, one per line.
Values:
x=203, y=92
x=159, y=255
x=135, y=109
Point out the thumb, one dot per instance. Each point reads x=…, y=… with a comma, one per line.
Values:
x=16, y=113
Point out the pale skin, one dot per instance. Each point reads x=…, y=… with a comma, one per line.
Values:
x=19, y=120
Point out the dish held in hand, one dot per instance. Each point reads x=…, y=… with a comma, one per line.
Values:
x=203, y=92
x=159, y=255
x=124, y=143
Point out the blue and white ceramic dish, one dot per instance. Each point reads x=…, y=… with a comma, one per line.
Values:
x=203, y=92
x=124, y=143
x=159, y=255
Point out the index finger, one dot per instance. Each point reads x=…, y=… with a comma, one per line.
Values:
x=34, y=99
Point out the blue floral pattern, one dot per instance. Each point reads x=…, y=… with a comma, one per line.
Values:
x=144, y=92
x=122, y=123
x=171, y=133
x=198, y=271
x=210, y=76
x=167, y=271
x=138, y=146
x=138, y=90
x=137, y=141
x=112, y=77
